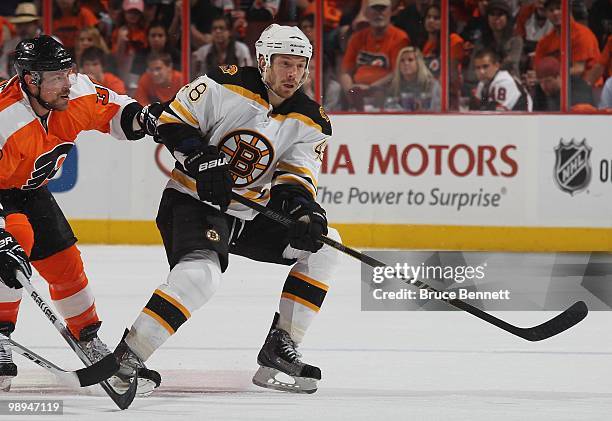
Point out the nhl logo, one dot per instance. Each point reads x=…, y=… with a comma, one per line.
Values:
x=572, y=166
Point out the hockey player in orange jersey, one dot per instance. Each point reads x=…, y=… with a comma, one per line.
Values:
x=42, y=110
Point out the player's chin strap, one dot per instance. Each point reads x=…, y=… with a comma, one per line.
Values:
x=37, y=81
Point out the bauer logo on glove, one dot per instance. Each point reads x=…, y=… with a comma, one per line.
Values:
x=212, y=164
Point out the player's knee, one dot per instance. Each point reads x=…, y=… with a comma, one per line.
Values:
x=195, y=278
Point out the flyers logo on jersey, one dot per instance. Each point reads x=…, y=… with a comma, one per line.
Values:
x=229, y=69
x=47, y=165
x=251, y=154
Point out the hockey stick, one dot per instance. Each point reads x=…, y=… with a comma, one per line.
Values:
x=124, y=400
x=87, y=376
x=563, y=321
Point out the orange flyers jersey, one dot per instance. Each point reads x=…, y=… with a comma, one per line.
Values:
x=30, y=154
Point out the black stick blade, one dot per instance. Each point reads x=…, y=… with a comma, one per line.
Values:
x=98, y=372
x=570, y=317
x=123, y=401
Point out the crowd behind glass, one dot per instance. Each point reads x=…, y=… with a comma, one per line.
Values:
x=376, y=55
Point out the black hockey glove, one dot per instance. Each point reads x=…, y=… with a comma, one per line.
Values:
x=310, y=219
x=12, y=258
x=211, y=171
x=147, y=118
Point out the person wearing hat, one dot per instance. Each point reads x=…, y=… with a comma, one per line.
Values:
x=497, y=35
x=547, y=95
x=27, y=25
x=584, y=46
x=130, y=36
x=371, y=54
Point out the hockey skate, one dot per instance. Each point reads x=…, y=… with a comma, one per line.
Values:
x=279, y=357
x=91, y=344
x=130, y=364
x=8, y=369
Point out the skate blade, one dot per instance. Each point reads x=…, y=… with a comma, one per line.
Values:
x=145, y=386
x=266, y=377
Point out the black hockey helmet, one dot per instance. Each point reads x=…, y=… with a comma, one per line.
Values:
x=41, y=54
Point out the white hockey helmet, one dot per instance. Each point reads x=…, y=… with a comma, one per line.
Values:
x=277, y=39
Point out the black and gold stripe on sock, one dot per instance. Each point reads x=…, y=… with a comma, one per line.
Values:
x=167, y=311
x=304, y=290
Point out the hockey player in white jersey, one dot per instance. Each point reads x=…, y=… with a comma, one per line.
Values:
x=254, y=132
x=497, y=90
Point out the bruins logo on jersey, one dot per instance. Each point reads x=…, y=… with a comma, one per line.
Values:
x=229, y=69
x=251, y=154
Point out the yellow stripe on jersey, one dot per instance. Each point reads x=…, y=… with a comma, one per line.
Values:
x=247, y=94
x=292, y=178
x=283, y=166
x=301, y=117
x=169, y=118
x=183, y=113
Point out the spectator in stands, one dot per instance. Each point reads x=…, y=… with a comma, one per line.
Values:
x=202, y=13
x=431, y=47
x=414, y=87
x=475, y=26
x=222, y=50
x=27, y=25
x=605, y=102
x=497, y=90
x=603, y=67
x=89, y=37
x=600, y=20
x=332, y=91
x=68, y=20
x=307, y=26
x=410, y=19
x=584, y=46
x=547, y=96
x=371, y=53
x=130, y=36
x=92, y=63
x=532, y=24
x=498, y=36
x=158, y=42
x=161, y=82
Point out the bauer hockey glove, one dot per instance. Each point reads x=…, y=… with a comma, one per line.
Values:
x=211, y=172
x=310, y=219
x=12, y=258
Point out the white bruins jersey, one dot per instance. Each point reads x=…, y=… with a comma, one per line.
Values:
x=265, y=146
x=503, y=93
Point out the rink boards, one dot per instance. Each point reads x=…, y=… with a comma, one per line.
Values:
x=482, y=182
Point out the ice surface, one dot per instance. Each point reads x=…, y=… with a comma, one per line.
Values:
x=376, y=365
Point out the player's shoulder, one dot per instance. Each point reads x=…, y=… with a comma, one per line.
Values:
x=503, y=77
x=82, y=86
x=302, y=107
x=245, y=77
x=10, y=92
